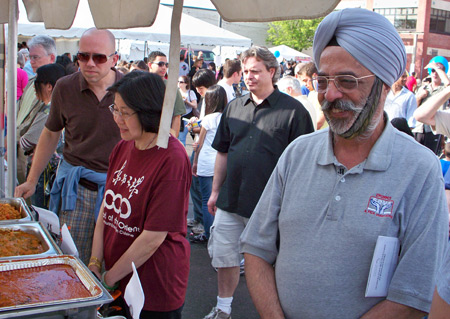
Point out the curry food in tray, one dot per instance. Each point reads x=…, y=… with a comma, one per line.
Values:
x=41, y=284
x=18, y=243
x=7, y=212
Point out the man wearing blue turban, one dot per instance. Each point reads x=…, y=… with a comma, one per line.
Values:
x=338, y=195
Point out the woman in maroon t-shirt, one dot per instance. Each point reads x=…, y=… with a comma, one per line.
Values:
x=143, y=216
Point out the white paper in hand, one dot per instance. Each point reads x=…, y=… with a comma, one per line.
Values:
x=68, y=246
x=383, y=265
x=134, y=294
x=48, y=219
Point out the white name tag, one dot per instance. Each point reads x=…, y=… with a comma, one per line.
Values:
x=383, y=265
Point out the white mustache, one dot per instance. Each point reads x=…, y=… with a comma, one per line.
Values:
x=340, y=105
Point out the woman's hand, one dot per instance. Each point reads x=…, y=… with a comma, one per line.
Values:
x=194, y=169
x=193, y=120
x=96, y=271
x=95, y=265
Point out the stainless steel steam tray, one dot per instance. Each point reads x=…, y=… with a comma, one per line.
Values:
x=81, y=271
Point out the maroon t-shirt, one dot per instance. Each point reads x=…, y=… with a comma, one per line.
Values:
x=90, y=130
x=149, y=190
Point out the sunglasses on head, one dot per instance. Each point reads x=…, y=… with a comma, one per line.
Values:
x=98, y=58
x=161, y=64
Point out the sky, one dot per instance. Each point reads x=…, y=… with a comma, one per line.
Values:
x=206, y=4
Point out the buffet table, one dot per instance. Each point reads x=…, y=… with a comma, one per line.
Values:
x=55, y=286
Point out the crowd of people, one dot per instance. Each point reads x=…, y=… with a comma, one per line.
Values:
x=298, y=169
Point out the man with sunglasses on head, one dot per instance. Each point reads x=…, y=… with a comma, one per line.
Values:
x=80, y=106
x=157, y=63
x=310, y=243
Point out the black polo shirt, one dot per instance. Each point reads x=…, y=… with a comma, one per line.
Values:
x=255, y=136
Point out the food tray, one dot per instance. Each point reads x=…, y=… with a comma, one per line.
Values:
x=81, y=271
x=19, y=204
x=34, y=228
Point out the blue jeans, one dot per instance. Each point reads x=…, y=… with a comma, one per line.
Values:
x=205, y=188
x=196, y=195
x=182, y=135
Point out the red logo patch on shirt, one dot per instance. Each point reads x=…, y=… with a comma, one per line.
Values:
x=381, y=206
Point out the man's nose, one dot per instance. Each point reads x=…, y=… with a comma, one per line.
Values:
x=332, y=92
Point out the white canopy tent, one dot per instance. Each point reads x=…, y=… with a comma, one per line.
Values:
x=289, y=53
x=123, y=14
x=193, y=31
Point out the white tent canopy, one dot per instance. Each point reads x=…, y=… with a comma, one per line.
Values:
x=289, y=53
x=193, y=31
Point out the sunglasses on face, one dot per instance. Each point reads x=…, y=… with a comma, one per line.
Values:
x=98, y=58
x=181, y=82
x=161, y=64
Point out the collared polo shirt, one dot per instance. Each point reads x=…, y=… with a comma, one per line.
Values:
x=254, y=136
x=320, y=224
x=90, y=130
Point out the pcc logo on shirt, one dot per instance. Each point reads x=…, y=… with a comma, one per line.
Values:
x=381, y=206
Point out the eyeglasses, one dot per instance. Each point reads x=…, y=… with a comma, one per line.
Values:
x=116, y=112
x=344, y=83
x=181, y=82
x=98, y=58
x=35, y=57
x=161, y=64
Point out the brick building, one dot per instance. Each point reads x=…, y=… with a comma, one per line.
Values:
x=424, y=26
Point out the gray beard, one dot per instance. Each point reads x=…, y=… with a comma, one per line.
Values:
x=361, y=124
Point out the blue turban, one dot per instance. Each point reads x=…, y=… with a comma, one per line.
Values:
x=369, y=37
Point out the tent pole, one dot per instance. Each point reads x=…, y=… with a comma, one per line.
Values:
x=2, y=111
x=12, y=93
x=145, y=50
x=171, y=85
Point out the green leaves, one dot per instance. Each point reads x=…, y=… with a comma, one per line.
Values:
x=297, y=34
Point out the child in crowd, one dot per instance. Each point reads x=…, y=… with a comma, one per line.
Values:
x=205, y=155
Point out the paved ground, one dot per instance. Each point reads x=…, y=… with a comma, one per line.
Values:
x=202, y=288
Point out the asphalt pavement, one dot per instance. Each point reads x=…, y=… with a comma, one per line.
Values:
x=202, y=287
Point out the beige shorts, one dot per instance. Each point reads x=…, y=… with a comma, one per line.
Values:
x=223, y=244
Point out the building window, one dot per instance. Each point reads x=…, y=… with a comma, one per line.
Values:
x=440, y=21
x=401, y=18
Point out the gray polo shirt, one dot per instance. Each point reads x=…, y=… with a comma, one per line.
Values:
x=321, y=223
x=443, y=278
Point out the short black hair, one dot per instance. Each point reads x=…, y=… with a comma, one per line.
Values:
x=48, y=74
x=204, y=77
x=215, y=99
x=143, y=92
x=154, y=54
x=141, y=65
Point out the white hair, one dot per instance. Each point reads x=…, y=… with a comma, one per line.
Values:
x=289, y=81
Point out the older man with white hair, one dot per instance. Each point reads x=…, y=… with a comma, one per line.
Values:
x=291, y=86
x=335, y=195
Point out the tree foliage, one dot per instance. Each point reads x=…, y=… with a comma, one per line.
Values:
x=297, y=34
